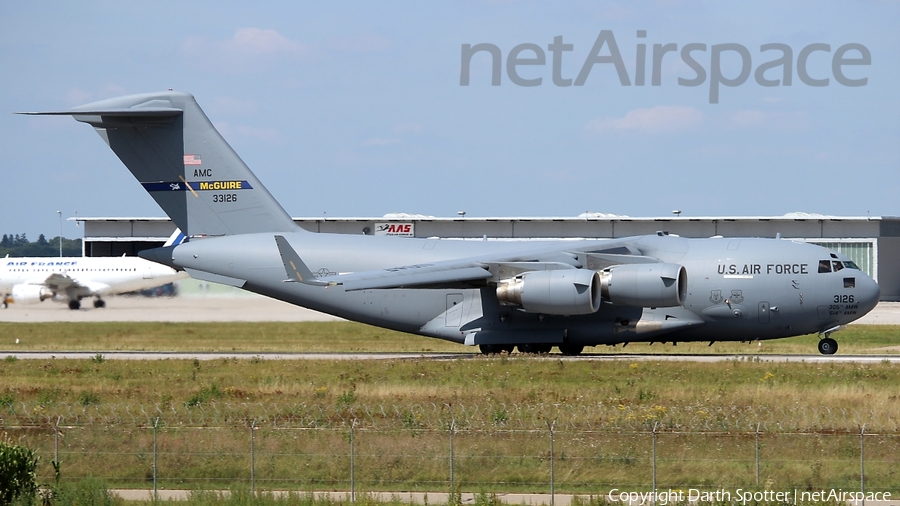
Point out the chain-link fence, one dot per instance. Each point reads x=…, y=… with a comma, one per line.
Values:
x=482, y=416
x=501, y=448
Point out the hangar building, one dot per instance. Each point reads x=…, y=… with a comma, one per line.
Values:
x=873, y=242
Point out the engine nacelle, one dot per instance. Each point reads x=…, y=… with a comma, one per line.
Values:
x=644, y=285
x=558, y=292
x=30, y=294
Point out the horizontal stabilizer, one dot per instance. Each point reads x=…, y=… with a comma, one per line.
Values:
x=181, y=160
x=147, y=112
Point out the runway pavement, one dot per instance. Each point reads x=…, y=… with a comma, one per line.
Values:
x=194, y=308
x=251, y=307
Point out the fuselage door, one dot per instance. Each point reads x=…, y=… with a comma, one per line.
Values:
x=763, y=312
x=146, y=272
x=453, y=316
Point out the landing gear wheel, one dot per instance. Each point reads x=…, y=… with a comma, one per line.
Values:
x=535, y=349
x=74, y=304
x=828, y=346
x=570, y=350
x=490, y=349
x=99, y=303
x=527, y=348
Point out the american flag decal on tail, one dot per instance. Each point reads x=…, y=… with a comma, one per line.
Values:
x=192, y=160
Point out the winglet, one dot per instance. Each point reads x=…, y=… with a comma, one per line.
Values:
x=296, y=270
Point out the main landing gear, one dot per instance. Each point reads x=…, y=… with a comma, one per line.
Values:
x=75, y=304
x=494, y=349
x=569, y=350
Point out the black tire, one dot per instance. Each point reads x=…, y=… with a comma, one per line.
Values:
x=828, y=346
x=535, y=349
x=99, y=303
x=74, y=304
x=571, y=350
x=527, y=348
x=490, y=349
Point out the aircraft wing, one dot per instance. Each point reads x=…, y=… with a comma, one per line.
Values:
x=410, y=276
x=59, y=282
x=397, y=277
x=452, y=272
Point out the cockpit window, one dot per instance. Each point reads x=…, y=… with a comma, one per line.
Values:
x=837, y=265
x=824, y=266
x=849, y=282
x=851, y=265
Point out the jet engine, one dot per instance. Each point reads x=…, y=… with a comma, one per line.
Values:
x=644, y=285
x=557, y=292
x=30, y=294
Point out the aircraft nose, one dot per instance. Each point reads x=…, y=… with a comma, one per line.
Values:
x=869, y=293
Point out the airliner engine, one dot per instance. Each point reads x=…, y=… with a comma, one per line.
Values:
x=30, y=294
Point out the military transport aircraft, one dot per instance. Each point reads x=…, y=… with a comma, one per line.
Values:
x=530, y=295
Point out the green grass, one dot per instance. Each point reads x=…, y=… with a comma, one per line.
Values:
x=251, y=337
x=809, y=415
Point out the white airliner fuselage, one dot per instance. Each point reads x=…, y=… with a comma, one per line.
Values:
x=28, y=280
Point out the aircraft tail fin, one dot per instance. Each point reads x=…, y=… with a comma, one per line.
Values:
x=175, y=152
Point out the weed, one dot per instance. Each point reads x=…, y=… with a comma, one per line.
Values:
x=88, y=398
x=11, y=359
x=499, y=416
x=48, y=397
x=205, y=395
x=7, y=400
x=345, y=399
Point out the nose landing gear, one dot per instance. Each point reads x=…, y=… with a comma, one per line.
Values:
x=828, y=346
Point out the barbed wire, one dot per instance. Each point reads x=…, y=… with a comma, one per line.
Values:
x=435, y=416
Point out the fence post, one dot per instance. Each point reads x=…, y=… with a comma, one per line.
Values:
x=352, y=464
x=252, y=458
x=56, y=448
x=757, y=454
x=862, y=464
x=452, y=484
x=552, y=470
x=155, y=428
x=655, y=425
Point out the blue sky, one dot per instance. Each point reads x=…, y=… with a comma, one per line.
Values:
x=356, y=108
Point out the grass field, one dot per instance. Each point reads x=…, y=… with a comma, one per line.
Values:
x=252, y=337
x=810, y=415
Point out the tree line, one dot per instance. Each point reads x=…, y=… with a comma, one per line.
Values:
x=18, y=245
